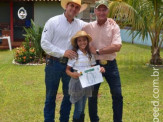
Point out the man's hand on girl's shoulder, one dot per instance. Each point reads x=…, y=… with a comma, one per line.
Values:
x=70, y=54
x=111, y=21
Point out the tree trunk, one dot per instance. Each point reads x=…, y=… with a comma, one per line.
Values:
x=156, y=59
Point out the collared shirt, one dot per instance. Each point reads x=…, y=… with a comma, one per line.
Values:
x=103, y=36
x=81, y=62
x=57, y=33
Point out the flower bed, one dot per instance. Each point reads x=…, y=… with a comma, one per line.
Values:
x=23, y=56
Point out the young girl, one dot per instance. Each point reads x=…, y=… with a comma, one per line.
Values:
x=85, y=59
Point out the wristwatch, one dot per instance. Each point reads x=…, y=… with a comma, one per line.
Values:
x=97, y=52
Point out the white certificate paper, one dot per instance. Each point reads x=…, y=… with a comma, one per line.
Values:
x=90, y=76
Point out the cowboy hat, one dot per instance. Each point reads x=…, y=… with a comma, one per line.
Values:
x=79, y=34
x=65, y=2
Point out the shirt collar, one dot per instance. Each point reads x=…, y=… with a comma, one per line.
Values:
x=64, y=17
x=102, y=24
x=80, y=52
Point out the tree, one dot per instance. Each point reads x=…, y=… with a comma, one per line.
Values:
x=144, y=16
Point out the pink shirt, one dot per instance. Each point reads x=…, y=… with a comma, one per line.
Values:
x=103, y=36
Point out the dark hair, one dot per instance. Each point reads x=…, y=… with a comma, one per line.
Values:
x=76, y=47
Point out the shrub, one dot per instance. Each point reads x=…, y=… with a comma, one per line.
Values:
x=23, y=56
x=33, y=37
x=31, y=50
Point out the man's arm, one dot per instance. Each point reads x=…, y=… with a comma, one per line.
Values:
x=115, y=45
x=116, y=42
x=110, y=49
x=107, y=50
x=46, y=40
x=51, y=49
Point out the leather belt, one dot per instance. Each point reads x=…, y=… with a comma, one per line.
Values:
x=51, y=57
x=62, y=60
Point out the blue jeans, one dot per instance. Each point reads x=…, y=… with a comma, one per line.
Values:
x=113, y=79
x=79, y=107
x=54, y=72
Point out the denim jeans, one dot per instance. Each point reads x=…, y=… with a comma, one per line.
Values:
x=79, y=107
x=54, y=72
x=113, y=79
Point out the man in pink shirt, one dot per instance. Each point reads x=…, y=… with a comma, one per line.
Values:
x=106, y=42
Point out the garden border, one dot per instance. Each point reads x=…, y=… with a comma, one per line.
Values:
x=27, y=64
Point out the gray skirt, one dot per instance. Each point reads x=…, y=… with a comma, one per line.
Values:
x=76, y=91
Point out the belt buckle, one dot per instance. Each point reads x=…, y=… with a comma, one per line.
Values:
x=63, y=60
x=103, y=62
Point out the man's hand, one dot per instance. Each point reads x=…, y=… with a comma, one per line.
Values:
x=70, y=54
x=112, y=22
x=111, y=49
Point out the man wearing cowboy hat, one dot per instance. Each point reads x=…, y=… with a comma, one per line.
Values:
x=55, y=42
x=106, y=41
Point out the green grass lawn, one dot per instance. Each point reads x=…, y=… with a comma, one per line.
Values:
x=22, y=89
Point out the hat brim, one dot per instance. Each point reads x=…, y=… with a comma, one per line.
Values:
x=83, y=6
x=74, y=37
x=101, y=5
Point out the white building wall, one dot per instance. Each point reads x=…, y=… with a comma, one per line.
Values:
x=126, y=37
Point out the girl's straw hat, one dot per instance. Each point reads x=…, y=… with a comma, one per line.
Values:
x=79, y=34
x=65, y=2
